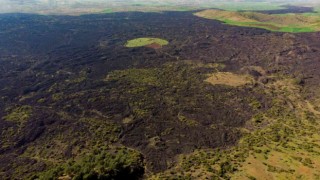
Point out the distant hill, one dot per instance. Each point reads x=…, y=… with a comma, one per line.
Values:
x=75, y=7
x=273, y=22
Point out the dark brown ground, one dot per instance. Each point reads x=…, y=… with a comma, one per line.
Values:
x=154, y=46
x=45, y=55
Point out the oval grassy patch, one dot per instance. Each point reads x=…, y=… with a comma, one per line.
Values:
x=139, y=42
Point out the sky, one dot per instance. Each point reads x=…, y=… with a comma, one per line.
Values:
x=91, y=6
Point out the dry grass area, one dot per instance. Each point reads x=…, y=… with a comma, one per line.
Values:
x=229, y=79
x=149, y=42
x=282, y=163
x=297, y=157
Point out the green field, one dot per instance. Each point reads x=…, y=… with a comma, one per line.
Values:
x=294, y=23
x=139, y=42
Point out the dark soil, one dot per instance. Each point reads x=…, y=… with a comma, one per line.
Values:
x=58, y=65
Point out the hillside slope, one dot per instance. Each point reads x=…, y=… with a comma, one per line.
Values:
x=273, y=22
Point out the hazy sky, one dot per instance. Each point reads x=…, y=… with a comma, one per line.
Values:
x=87, y=6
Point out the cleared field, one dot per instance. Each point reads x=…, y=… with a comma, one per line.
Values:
x=274, y=22
x=229, y=79
x=152, y=42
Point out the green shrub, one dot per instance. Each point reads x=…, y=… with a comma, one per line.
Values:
x=19, y=114
x=101, y=164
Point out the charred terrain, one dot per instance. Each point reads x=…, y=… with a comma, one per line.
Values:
x=76, y=102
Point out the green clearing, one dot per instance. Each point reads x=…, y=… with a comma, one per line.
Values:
x=139, y=42
x=294, y=23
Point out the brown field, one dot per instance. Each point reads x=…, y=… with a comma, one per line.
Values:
x=229, y=79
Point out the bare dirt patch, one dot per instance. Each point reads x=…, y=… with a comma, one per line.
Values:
x=154, y=46
x=229, y=79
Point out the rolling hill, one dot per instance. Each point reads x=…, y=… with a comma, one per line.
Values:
x=273, y=22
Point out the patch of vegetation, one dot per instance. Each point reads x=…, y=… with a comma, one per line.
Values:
x=294, y=23
x=100, y=164
x=57, y=96
x=139, y=42
x=189, y=122
x=81, y=77
x=107, y=11
x=102, y=129
x=176, y=95
x=18, y=114
x=139, y=76
x=286, y=147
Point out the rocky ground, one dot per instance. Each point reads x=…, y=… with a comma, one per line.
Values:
x=70, y=88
